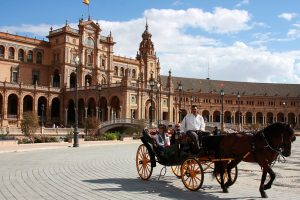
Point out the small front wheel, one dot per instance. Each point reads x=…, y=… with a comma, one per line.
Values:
x=143, y=162
x=176, y=170
x=192, y=174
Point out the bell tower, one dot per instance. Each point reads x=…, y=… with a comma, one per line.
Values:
x=149, y=63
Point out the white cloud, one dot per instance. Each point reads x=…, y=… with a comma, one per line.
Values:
x=177, y=3
x=242, y=3
x=221, y=21
x=190, y=55
x=294, y=33
x=288, y=16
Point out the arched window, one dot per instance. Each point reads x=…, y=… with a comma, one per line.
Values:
x=39, y=58
x=1, y=51
x=122, y=71
x=72, y=80
x=88, y=80
x=116, y=71
x=11, y=54
x=90, y=60
x=21, y=55
x=56, y=79
x=30, y=56
x=133, y=73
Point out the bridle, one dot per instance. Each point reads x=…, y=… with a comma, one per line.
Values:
x=280, y=149
x=275, y=149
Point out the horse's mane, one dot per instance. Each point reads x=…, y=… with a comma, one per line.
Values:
x=273, y=129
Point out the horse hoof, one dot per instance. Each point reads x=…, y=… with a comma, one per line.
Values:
x=266, y=187
x=228, y=184
x=225, y=190
x=263, y=195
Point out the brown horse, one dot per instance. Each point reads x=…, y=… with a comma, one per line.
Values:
x=262, y=147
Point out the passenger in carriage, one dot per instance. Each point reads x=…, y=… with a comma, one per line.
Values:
x=193, y=124
x=176, y=133
x=162, y=138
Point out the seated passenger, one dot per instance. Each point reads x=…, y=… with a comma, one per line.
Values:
x=162, y=137
x=176, y=133
x=193, y=124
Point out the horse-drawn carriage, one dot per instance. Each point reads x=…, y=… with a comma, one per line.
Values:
x=186, y=163
x=220, y=153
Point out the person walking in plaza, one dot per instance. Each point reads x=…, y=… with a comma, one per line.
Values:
x=192, y=124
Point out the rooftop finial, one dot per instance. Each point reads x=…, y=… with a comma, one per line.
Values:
x=66, y=22
x=146, y=24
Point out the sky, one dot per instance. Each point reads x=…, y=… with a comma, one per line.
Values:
x=232, y=40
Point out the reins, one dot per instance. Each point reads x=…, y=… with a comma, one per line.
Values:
x=278, y=151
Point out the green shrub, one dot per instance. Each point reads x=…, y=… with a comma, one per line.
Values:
x=29, y=124
x=111, y=136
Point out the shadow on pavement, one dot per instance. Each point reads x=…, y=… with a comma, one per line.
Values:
x=161, y=188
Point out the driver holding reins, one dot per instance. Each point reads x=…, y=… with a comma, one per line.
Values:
x=192, y=124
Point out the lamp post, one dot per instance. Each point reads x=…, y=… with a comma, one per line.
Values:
x=180, y=89
x=76, y=132
x=239, y=112
x=284, y=112
x=151, y=83
x=42, y=108
x=99, y=110
x=222, y=110
x=159, y=102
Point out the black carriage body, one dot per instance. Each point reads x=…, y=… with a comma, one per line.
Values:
x=173, y=155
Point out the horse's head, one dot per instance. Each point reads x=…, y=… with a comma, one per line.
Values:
x=281, y=137
x=288, y=138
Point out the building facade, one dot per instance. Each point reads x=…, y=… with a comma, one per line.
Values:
x=41, y=76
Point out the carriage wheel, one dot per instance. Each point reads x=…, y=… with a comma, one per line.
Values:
x=176, y=170
x=143, y=162
x=192, y=174
x=234, y=175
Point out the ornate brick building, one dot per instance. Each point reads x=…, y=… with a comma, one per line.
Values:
x=40, y=76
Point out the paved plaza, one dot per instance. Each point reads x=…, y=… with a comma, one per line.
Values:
x=107, y=171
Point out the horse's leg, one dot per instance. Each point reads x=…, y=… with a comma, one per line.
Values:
x=219, y=170
x=261, y=187
x=272, y=178
x=230, y=166
x=222, y=172
x=266, y=169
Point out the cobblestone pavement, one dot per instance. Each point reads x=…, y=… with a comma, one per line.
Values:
x=107, y=171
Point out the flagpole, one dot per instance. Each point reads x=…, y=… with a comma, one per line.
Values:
x=89, y=11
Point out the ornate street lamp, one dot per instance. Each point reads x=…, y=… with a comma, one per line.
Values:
x=151, y=83
x=76, y=132
x=42, y=108
x=99, y=110
x=239, y=112
x=222, y=110
x=284, y=112
x=159, y=104
x=180, y=89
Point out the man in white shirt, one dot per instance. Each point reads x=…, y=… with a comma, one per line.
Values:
x=191, y=124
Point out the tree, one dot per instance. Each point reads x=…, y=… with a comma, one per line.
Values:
x=29, y=124
x=91, y=124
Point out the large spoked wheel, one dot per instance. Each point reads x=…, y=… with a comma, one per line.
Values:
x=143, y=162
x=176, y=170
x=234, y=175
x=192, y=174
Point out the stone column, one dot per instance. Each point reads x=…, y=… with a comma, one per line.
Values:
x=66, y=116
x=108, y=113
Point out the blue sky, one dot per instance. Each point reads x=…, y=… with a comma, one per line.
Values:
x=236, y=40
